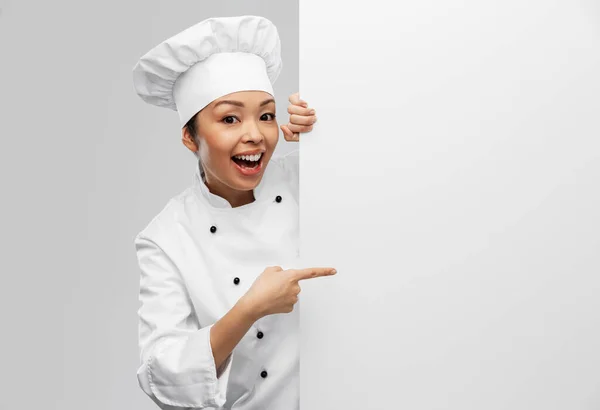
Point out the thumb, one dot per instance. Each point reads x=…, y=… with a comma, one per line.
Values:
x=286, y=131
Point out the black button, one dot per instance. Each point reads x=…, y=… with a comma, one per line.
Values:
x=236, y=280
x=213, y=229
x=260, y=335
x=278, y=198
x=263, y=374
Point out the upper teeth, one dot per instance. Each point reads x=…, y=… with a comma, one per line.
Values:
x=249, y=157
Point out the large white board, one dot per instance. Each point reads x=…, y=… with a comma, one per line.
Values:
x=453, y=178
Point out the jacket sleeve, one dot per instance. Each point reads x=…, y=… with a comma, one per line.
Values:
x=177, y=363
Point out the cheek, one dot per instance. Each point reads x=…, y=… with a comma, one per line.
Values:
x=272, y=134
x=218, y=140
x=217, y=150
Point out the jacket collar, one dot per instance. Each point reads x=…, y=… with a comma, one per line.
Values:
x=219, y=202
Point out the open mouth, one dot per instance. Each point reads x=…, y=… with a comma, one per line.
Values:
x=248, y=161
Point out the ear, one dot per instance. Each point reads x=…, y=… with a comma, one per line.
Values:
x=188, y=140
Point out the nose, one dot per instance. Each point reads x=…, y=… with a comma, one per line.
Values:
x=252, y=133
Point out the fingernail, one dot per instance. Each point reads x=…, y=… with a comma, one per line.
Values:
x=312, y=112
x=334, y=271
x=315, y=119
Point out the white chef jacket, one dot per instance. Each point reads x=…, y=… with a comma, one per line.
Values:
x=197, y=257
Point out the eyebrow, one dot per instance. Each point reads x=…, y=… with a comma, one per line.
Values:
x=241, y=104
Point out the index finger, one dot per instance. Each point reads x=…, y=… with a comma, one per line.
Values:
x=295, y=99
x=308, y=273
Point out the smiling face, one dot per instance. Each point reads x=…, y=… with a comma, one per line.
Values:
x=238, y=123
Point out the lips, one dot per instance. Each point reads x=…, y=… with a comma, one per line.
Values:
x=248, y=168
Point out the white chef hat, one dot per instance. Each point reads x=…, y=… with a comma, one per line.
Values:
x=213, y=58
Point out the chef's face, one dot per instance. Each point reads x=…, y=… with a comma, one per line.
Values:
x=241, y=123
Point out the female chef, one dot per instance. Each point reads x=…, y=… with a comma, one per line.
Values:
x=217, y=324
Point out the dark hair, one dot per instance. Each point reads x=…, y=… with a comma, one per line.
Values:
x=191, y=126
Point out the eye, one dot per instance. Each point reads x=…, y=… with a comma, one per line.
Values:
x=267, y=118
x=229, y=119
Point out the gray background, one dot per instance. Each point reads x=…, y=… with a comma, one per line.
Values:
x=85, y=165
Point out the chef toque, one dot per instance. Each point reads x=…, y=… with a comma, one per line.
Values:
x=213, y=58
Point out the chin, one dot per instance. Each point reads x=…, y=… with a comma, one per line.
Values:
x=249, y=185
